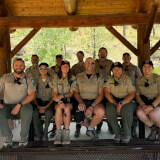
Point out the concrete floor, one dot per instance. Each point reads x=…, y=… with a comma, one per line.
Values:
x=105, y=134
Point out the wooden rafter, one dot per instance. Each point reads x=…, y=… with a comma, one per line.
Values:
x=70, y=6
x=75, y=20
x=150, y=22
x=154, y=48
x=23, y=42
x=122, y=39
x=71, y=9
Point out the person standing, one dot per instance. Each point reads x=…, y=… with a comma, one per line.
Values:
x=78, y=67
x=34, y=69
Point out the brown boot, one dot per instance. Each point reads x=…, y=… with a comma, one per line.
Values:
x=153, y=133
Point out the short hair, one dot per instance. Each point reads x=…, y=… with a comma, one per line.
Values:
x=59, y=56
x=126, y=54
x=35, y=55
x=81, y=52
x=44, y=64
x=18, y=59
x=104, y=49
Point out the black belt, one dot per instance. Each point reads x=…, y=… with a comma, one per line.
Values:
x=146, y=100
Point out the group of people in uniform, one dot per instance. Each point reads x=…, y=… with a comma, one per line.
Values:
x=90, y=90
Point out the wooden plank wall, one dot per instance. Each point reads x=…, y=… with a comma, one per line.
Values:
x=85, y=7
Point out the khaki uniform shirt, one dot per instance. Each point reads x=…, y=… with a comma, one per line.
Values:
x=63, y=86
x=77, y=68
x=88, y=88
x=53, y=70
x=44, y=90
x=13, y=92
x=33, y=72
x=103, y=68
x=122, y=89
x=132, y=71
x=152, y=90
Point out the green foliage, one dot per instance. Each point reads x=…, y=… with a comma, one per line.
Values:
x=49, y=42
x=157, y=70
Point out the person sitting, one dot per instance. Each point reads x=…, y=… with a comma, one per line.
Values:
x=43, y=103
x=89, y=95
x=62, y=93
x=120, y=92
x=148, y=97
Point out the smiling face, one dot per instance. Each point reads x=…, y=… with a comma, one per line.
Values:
x=126, y=58
x=89, y=65
x=43, y=69
x=18, y=66
x=58, y=61
x=117, y=72
x=65, y=68
x=102, y=54
x=35, y=60
x=80, y=57
x=147, y=69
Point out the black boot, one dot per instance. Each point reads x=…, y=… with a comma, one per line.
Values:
x=99, y=126
x=53, y=133
x=77, y=132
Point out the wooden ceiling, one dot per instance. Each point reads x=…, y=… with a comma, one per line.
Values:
x=52, y=13
x=84, y=7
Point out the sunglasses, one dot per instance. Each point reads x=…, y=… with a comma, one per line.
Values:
x=92, y=63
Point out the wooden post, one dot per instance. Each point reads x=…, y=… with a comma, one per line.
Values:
x=5, y=61
x=5, y=48
x=143, y=48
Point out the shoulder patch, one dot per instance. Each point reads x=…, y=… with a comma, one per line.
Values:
x=105, y=79
x=75, y=81
x=33, y=81
x=132, y=81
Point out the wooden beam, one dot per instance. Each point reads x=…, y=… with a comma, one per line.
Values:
x=75, y=20
x=150, y=22
x=70, y=6
x=23, y=42
x=154, y=48
x=122, y=39
x=143, y=48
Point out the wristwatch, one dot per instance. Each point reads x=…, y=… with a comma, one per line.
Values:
x=121, y=103
x=20, y=104
x=93, y=107
x=153, y=105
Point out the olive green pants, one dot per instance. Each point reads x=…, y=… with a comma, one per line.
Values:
x=37, y=122
x=25, y=114
x=126, y=113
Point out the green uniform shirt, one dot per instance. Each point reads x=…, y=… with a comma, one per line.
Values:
x=77, y=68
x=44, y=90
x=88, y=87
x=152, y=90
x=103, y=68
x=13, y=92
x=132, y=71
x=122, y=89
